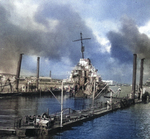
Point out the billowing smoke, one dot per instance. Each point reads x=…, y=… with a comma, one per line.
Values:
x=128, y=41
x=59, y=26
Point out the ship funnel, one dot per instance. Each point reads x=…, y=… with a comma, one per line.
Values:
x=50, y=73
x=141, y=74
x=134, y=75
x=37, y=77
x=18, y=72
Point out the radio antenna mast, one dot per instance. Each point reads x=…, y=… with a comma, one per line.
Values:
x=82, y=47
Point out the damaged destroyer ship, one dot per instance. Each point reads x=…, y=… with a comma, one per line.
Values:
x=86, y=83
x=85, y=78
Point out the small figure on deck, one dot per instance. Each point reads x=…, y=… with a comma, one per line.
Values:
x=108, y=104
x=119, y=91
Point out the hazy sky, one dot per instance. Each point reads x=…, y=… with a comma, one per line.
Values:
x=47, y=28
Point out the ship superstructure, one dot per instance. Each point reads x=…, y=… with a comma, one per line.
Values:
x=83, y=77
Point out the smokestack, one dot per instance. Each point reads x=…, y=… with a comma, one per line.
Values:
x=18, y=72
x=134, y=75
x=37, y=80
x=50, y=73
x=141, y=73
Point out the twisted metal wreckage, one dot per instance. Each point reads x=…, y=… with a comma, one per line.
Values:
x=86, y=79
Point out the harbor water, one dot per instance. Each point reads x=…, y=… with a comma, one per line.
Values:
x=129, y=123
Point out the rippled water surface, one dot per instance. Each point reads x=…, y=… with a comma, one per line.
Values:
x=129, y=123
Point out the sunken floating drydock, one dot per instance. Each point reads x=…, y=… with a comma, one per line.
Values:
x=49, y=124
x=45, y=124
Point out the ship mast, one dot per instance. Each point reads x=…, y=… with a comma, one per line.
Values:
x=82, y=47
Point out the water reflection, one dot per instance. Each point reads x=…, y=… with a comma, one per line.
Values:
x=20, y=106
x=81, y=103
x=131, y=123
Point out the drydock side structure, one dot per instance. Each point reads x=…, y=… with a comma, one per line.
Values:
x=86, y=80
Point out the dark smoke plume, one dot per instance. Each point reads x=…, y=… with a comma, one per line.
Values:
x=129, y=41
x=53, y=43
